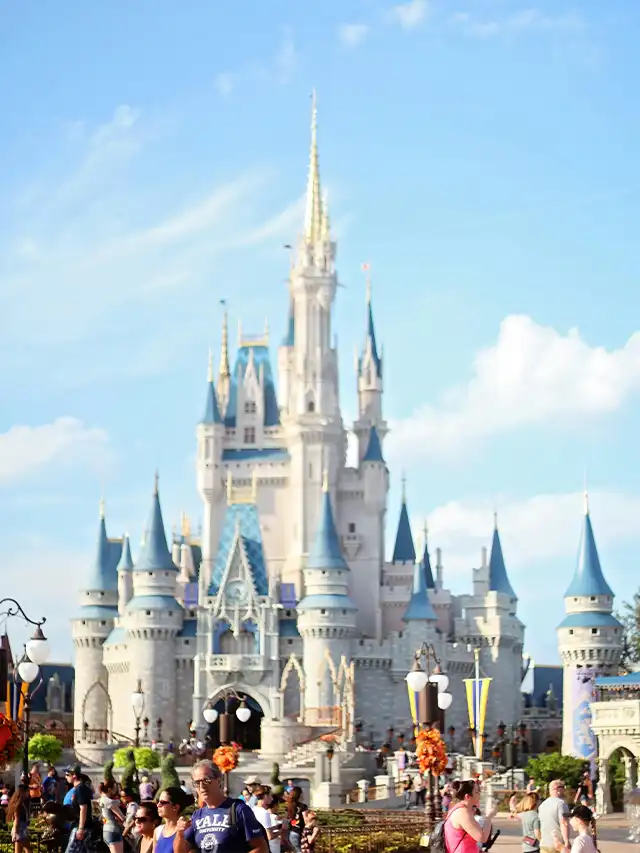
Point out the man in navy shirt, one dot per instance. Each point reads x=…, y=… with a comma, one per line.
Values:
x=211, y=827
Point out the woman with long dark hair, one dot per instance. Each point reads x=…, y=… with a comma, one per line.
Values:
x=295, y=818
x=18, y=817
x=462, y=831
x=583, y=824
x=171, y=803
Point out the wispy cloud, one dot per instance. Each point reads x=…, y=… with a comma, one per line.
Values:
x=518, y=23
x=24, y=450
x=224, y=83
x=411, y=14
x=286, y=59
x=352, y=35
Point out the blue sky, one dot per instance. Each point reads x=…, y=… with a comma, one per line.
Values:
x=479, y=154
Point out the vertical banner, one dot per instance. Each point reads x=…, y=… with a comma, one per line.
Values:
x=477, y=690
x=414, y=707
x=584, y=740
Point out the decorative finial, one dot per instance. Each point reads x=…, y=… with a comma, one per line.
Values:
x=404, y=487
x=254, y=485
x=229, y=488
x=102, y=509
x=313, y=212
x=425, y=531
x=210, y=368
x=185, y=525
x=586, y=494
x=156, y=477
x=325, y=480
x=495, y=519
x=366, y=268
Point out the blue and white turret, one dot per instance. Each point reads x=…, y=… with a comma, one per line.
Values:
x=404, y=551
x=153, y=617
x=210, y=435
x=326, y=614
x=589, y=641
x=370, y=385
x=92, y=625
x=125, y=578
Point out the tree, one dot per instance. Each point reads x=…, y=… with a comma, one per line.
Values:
x=277, y=788
x=46, y=748
x=629, y=617
x=109, y=778
x=169, y=778
x=126, y=758
x=553, y=765
x=143, y=757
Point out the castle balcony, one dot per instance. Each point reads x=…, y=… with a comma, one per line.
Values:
x=225, y=668
x=619, y=718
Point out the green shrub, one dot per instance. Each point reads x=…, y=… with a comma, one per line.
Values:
x=549, y=766
x=46, y=748
x=143, y=757
x=169, y=778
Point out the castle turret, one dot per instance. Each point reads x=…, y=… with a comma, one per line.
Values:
x=420, y=608
x=92, y=625
x=404, y=550
x=589, y=641
x=370, y=388
x=152, y=619
x=125, y=579
x=316, y=436
x=210, y=436
x=224, y=373
x=326, y=614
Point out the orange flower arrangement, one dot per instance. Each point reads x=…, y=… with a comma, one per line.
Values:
x=226, y=758
x=431, y=752
x=10, y=740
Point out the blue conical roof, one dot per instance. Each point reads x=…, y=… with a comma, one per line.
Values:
x=426, y=567
x=404, y=550
x=102, y=577
x=126, y=562
x=498, y=579
x=374, y=448
x=290, y=338
x=154, y=554
x=326, y=552
x=211, y=409
x=419, y=607
x=371, y=337
x=588, y=578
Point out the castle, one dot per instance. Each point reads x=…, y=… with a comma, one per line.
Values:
x=286, y=600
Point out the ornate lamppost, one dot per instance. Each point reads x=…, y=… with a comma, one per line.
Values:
x=36, y=653
x=330, y=754
x=437, y=700
x=137, y=703
x=243, y=713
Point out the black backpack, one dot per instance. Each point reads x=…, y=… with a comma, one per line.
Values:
x=435, y=839
x=233, y=820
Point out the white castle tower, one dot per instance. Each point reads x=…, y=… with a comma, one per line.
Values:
x=98, y=608
x=589, y=642
x=326, y=614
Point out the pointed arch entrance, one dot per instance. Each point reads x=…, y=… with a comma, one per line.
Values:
x=246, y=734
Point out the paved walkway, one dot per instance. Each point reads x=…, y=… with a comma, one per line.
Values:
x=613, y=833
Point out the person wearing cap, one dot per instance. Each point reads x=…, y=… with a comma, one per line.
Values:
x=251, y=783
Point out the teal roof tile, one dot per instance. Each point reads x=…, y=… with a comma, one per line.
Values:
x=189, y=629
x=589, y=619
x=588, y=578
x=97, y=611
x=257, y=454
x=404, y=550
x=289, y=629
x=103, y=575
x=498, y=578
x=426, y=567
x=246, y=519
x=326, y=601
x=262, y=362
x=326, y=552
x=117, y=637
x=154, y=554
x=158, y=603
x=373, y=452
x=419, y=608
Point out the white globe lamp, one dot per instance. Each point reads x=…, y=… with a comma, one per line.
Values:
x=210, y=714
x=38, y=647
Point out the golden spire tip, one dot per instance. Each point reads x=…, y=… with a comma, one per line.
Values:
x=210, y=367
x=404, y=487
x=102, y=509
x=156, y=478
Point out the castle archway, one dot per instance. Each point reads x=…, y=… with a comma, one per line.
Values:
x=246, y=734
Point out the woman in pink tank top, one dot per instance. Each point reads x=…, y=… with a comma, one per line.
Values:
x=462, y=832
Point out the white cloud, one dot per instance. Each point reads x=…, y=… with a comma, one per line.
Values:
x=533, y=532
x=352, y=35
x=411, y=14
x=521, y=22
x=286, y=59
x=224, y=84
x=532, y=375
x=24, y=449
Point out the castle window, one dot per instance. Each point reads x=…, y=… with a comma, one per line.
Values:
x=149, y=574
x=103, y=624
x=250, y=407
x=288, y=612
x=249, y=435
x=289, y=642
x=311, y=407
x=352, y=527
x=571, y=630
x=148, y=613
x=594, y=630
x=187, y=642
x=323, y=612
x=593, y=598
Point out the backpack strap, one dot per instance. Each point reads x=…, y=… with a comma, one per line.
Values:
x=233, y=814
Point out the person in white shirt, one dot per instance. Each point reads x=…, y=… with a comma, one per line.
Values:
x=583, y=824
x=275, y=844
x=264, y=816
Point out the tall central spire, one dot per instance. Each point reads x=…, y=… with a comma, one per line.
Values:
x=313, y=219
x=224, y=372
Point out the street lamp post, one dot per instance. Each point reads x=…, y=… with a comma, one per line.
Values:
x=243, y=713
x=434, y=682
x=36, y=653
x=137, y=703
x=330, y=754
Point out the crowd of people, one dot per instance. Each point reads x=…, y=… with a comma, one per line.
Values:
x=548, y=825
x=78, y=819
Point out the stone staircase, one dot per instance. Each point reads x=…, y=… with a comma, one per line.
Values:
x=304, y=754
